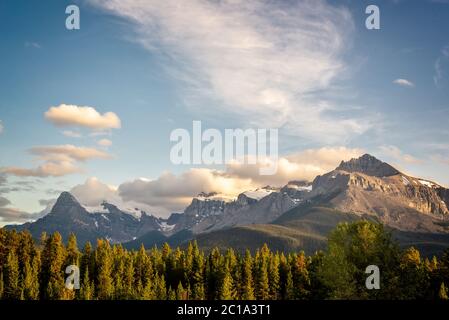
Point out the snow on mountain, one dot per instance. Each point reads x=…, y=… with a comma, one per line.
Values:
x=428, y=183
x=258, y=193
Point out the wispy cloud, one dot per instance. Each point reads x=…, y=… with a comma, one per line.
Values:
x=260, y=60
x=58, y=161
x=397, y=154
x=404, y=83
x=31, y=44
x=72, y=134
x=8, y=215
x=441, y=66
x=104, y=142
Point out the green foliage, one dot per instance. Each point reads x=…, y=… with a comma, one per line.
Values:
x=37, y=271
x=11, y=289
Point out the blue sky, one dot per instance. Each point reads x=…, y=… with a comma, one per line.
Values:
x=309, y=68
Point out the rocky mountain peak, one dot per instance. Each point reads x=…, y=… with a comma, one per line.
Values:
x=66, y=199
x=369, y=165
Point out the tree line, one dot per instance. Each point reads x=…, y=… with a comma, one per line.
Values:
x=33, y=270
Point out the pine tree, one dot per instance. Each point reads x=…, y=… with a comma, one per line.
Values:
x=227, y=287
x=160, y=290
x=286, y=279
x=30, y=283
x=128, y=278
x=261, y=274
x=247, y=286
x=143, y=268
x=274, y=277
x=11, y=289
x=442, y=293
x=73, y=253
x=52, y=278
x=300, y=276
x=104, y=285
x=86, y=291
x=181, y=294
x=197, y=273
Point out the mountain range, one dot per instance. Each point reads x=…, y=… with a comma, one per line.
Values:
x=297, y=216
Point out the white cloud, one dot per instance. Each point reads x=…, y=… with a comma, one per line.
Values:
x=404, y=83
x=92, y=192
x=58, y=160
x=304, y=165
x=104, y=142
x=258, y=60
x=72, y=115
x=174, y=192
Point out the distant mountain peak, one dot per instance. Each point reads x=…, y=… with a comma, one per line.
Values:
x=66, y=198
x=369, y=165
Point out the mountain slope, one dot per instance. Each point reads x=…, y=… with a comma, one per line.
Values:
x=415, y=210
x=69, y=216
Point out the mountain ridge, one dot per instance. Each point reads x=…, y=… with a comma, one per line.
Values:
x=361, y=188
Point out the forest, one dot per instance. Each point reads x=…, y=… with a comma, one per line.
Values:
x=35, y=270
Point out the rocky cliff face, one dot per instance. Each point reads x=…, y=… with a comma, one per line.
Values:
x=368, y=165
x=369, y=186
x=260, y=206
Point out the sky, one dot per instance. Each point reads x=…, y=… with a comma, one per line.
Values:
x=91, y=110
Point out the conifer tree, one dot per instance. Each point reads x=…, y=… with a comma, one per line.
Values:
x=261, y=277
x=104, y=285
x=52, y=276
x=30, y=282
x=73, y=253
x=300, y=276
x=86, y=291
x=12, y=290
x=197, y=273
x=247, y=286
x=160, y=290
x=227, y=288
x=273, y=277
x=128, y=277
x=442, y=293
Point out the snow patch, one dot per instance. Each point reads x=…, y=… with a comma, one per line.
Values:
x=427, y=183
x=96, y=209
x=258, y=193
x=300, y=188
x=166, y=227
x=405, y=181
